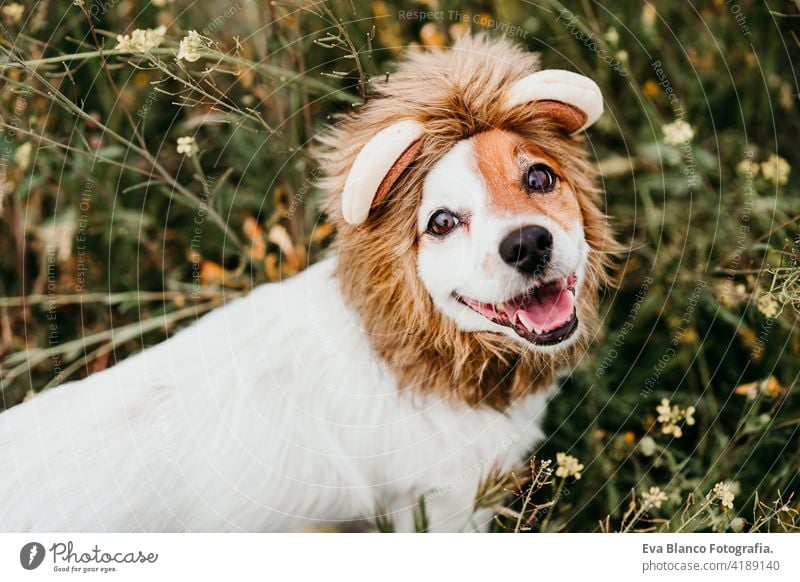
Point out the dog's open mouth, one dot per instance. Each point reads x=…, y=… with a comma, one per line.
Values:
x=544, y=315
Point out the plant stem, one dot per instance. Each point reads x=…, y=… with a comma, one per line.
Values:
x=271, y=71
x=556, y=498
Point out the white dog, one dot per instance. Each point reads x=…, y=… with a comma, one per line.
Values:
x=420, y=355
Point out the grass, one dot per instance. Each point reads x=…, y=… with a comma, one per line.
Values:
x=110, y=239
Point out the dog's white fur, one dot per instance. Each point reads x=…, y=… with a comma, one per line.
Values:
x=270, y=414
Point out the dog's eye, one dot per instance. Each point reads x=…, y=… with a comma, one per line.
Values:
x=442, y=222
x=540, y=179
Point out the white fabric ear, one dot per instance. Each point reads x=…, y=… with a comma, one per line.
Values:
x=563, y=86
x=372, y=164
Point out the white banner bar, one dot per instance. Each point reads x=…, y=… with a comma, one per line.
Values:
x=354, y=557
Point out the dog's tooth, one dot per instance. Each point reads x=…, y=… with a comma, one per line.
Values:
x=525, y=321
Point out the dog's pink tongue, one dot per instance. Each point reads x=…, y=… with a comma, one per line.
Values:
x=551, y=308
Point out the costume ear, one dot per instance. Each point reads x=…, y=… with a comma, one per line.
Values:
x=573, y=100
x=378, y=166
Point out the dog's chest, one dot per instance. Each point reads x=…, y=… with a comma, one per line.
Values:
x=336, y=406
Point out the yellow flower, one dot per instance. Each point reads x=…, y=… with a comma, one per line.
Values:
x=457, y=30
x=773, y=387
x=650, y=88
x=690, y=336
x=430, y=35
x=776, y=169
x=568, y=466
x=13, y=12
x=677, y=133
x=770, y=386
x=483, y=18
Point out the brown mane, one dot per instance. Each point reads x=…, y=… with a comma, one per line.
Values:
x=455, y=93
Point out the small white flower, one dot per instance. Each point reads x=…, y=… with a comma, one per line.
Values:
x=671, y=416
x=677, y=133
x=653, y=498
x=187, y=146
x=738, y=524
x=647, y=446
x=776, y=169
x=747, y=168
x=611, y=35
x=568, y=466
x=161, y=3
x=768, y=306
x=190, y=46
x=664, y=411
x=13, y=12
x=23, y=155
x=141, y=40
x=672, y=429
x=722, y=493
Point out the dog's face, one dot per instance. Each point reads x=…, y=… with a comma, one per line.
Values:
x=471, y=235
x=505, y=217
x=501, y=241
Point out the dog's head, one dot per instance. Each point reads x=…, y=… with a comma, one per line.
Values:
x=469, y=224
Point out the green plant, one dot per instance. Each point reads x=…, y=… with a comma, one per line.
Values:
x=139, y=190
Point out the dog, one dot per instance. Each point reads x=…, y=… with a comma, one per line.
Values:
x=470, y=250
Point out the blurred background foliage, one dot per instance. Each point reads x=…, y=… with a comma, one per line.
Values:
x=111, y=239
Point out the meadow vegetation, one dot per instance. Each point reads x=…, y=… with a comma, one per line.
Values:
x=156, y=162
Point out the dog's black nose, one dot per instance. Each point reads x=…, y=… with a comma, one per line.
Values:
x=527, y=249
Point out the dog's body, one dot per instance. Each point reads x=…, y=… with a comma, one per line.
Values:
x=470, y=250
x=251, y=420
